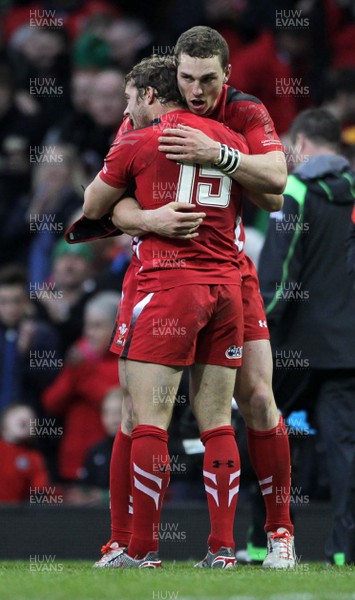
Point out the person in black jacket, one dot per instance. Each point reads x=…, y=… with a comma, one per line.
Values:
x=310, y=302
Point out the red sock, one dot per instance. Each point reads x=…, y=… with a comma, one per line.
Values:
x=120, y=489
x=150, y=477
x=221, y=471
x=269, y=453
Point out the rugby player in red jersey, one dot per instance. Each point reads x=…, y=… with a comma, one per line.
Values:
x=201, y=292
x=203, y=72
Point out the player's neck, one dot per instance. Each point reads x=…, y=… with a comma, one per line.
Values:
x=163, y=109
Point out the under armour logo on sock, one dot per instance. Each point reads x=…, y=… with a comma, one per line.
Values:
x=217, y=463
x=144, y=488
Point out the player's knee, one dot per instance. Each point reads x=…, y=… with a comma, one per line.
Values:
x=261, y=404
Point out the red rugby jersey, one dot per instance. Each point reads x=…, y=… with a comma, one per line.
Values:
x=247, y=115
x=210, y=258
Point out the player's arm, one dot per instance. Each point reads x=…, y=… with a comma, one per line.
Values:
x=176, y=219
x=256, y=172
x=268, y=202
x=265, y=173
x=100, y=198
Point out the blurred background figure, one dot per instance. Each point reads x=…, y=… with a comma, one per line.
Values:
x=36, y=221
x=27, y=343
x=98, y=104
x=18, y=131
x=72, y=285
x=96, y=468
x=22, y=468
x=128, y=41
x=89, y=371
x=40, y=58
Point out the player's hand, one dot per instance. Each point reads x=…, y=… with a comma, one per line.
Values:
x=188, y=144
x=175, y=220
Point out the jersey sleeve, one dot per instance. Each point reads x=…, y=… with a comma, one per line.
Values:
x=123, y=162
x=240, y=143
x=249, y=116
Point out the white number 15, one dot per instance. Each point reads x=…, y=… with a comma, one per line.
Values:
x=203, y=185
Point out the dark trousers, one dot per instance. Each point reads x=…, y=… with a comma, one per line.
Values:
x=329, y=397
x=335, y=417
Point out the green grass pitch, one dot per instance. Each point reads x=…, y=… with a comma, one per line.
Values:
x=76, y=580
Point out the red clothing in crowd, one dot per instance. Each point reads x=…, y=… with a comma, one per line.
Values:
x=22, y=469
x=340, y=35
x=259, y=70
x=76, y=396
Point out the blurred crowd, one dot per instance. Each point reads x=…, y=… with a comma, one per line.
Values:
x=62, y=67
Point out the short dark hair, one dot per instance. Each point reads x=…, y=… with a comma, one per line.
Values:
x=158, y=72
x=203, y=42
x=12, y=275
x=318, y=125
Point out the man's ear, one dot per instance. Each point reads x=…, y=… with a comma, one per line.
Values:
x=227, y=73
x=150, y=94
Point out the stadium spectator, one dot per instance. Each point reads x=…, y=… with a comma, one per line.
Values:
x=310, y=303
x=29, y=353
x=76, y=395
x=71, y=284
x=22, y=468
x=36, y=222
x=93, y=123
x=18, y=131
x=127, y=38
x=107, y=101
x=75, y=127
x=40, y=61
x=96, y=468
